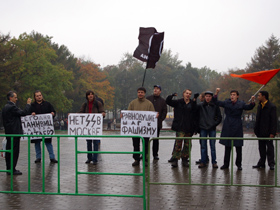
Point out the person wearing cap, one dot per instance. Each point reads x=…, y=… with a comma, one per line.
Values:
x=201, y=98
x=209, y=117
x=160, y=107
x=184, y=123
x=232, y=126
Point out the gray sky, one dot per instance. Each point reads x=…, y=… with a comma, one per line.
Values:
x=219, y=34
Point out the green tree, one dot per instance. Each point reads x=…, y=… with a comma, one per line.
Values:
x=35, y=71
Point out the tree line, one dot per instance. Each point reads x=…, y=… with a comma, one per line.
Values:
x=33, y=62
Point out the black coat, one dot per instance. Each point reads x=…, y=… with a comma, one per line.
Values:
x=185, y=115
x=266, y=120
x=209, y=116
x=42, y=108
x=11, y=117
x=232, y=126
x=160, y=107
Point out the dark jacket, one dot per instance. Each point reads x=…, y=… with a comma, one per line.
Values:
x=209, y=116
x=42, y=108
x=160, y=107
x=266, y=120
x=185, y=115
x=97, y=107
x=232, y=126
x=11, y=117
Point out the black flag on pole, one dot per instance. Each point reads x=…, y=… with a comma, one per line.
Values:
x=150, y=46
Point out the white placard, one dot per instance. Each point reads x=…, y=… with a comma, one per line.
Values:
x=39, y=124
x=140, y=123
x=85, y=124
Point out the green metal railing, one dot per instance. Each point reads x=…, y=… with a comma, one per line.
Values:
x=208, y=184
x=77, y=152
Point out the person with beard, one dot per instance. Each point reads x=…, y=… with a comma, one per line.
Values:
x=40, y=106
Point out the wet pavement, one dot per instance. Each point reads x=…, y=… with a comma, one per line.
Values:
x=162, y=196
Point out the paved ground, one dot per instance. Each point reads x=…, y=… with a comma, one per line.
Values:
x=162, y=196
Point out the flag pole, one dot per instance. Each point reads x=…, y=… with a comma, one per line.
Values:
x=257, y=92
x=144, y=78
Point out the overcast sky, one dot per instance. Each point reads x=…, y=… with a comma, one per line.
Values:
x=219, y=34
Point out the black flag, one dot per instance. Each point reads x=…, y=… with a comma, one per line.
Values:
x=150, y=46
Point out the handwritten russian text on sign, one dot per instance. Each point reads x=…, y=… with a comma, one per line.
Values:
x=85, y=124
x=40, y=124
x=140, y=123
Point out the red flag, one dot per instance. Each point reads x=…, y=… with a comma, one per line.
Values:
x=261, y=77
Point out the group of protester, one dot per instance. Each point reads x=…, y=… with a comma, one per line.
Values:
x=190, y=118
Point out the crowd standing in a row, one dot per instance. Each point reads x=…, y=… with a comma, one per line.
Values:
x=190, y=118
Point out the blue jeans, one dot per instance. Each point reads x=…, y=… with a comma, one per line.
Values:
x=203, y=146
x=92, y=157
x=49, y=148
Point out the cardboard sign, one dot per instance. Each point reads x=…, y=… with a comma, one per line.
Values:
x=139, y=123
x=40, y=124
x=85, y=124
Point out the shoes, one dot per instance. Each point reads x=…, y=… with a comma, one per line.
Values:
x=16, y=172
x=171, y=160
x=258, y=166
x=135, y=163
x=215, y=165
x=199, y=161
x=271, y=168
x=224, y=167
x=202, y=165
x=87, y=162
x=94, y=162
x=239, y=168
x=185, y=162
x=175, y=163
x=156, y=158
x=53, y=161
x=38, y=160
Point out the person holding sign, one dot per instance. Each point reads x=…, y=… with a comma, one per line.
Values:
x=40, y=106
x=92, y=106
x=161, y=108
x=11, y=120
x=184, y=123
x=140, y=104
